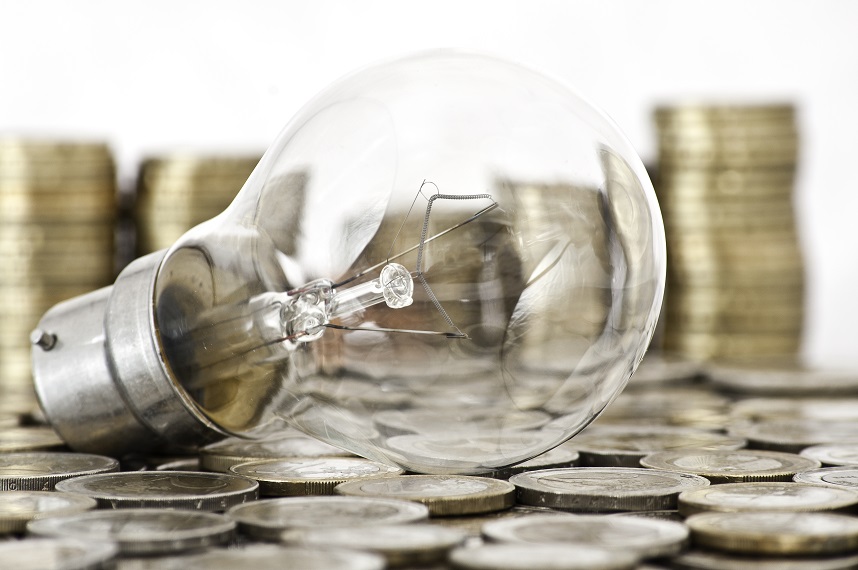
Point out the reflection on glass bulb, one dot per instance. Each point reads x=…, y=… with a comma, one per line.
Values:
x=448, y=262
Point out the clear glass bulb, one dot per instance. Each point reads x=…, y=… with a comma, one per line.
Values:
x=448, y=262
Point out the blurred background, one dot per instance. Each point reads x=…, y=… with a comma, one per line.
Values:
x=177, y=100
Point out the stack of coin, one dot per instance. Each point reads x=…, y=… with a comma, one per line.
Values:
x=175, y=193
x=735, y=271
x=57, y=212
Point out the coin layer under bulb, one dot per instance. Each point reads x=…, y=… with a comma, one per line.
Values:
x=448, y=263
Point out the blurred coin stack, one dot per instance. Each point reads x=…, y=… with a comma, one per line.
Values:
x=57, y=213
x=735, y=272
x=175, y=193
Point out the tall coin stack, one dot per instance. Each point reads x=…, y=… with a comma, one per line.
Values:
x=175, y=193
x=57, y=213
x=735, y=272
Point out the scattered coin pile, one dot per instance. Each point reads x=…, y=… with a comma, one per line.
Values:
x=175, y=193
x=735, y=272
x=57, y=212
x=768, y=480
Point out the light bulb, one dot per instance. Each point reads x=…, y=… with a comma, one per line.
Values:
x=448, y=262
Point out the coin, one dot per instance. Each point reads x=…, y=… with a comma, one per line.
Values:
x=443, y=494
x=29, y=439
x=644, y=537
x=267, y=519
x=775, y=533
x=172, y=489
x=767, y=496
x=793, y=435
x=311, y=475
x=659, y=369
x=57, y=554
x=412, y=544
x=844, y=476
x=472, y=524
x=471, y=419
x=224, y=454
x=825, y=409
x=710, y=560
x=617, y=446
x=17, y=508
x=603, y=489
x=42, y=470
x=557, y=457
x=782, y=377
x=140, y=531
x=540, y=557
x=722, y=466
x=833, y=454
x=478, y=453
x=274, y=557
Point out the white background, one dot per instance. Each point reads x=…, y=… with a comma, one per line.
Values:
x=212, y=75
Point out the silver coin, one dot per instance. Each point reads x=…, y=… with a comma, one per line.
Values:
x=414, y=544
x=442, y=494
x=267, y=519
x=645, y=537
x=140, y=531
x=541, y=557
x=833, y=454
x=456, y=420
x=18, y=439
x=173, y=489
x=710, y=560
x=604, y=489
x=57, y=554
x=477, y=453
x=768, y=496
x=844, y=477
x=763, y=533
x=551, y=459
x=310, y=475
x=721, y=466
x=17, y=508
x=42, y=470
x=274, y=557
x=783, y=377
x=616, y=446
x=232, y=451
x=793, y=435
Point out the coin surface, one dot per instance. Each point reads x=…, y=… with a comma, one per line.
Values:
x=833, y=454
x=645, y=537
x=17, y=508
x=604, y=489
x=57, y=554
x=442, y=494
x=311, y=475
x=172, y=489
x=232, y=451
x=267, y=519
x=783, y=377
x=553, y=458
x=775, y=533
x=844, y=477
x=712, y=560
x=412, y=544
x=616, y=446
x=721, y=466
x=275, y=557
x=140, y=531
x=42, y=470
x=793, y=435
x=540, y=557
x=768, y=496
